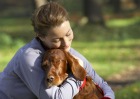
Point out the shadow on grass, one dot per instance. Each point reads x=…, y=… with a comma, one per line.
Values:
x=120, y=85
x=125, y=78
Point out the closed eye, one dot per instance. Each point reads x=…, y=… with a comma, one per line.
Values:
x=56, y=40
x=69, y=33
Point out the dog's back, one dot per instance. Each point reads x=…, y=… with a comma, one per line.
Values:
x=89, y=91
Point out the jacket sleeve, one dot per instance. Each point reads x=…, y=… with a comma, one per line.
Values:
x=67, y=91
x=108, y=92
x=30, y=72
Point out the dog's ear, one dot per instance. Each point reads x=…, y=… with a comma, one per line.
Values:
x=44, y=64
x=45, y=61
x=77, y=70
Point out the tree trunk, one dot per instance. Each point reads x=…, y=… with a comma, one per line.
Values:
x=137, y=2
x=116, y=4
x=92, y=10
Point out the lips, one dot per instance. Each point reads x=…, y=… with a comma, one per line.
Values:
x=66, y=47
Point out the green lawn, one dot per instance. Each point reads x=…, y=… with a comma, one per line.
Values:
x=129, y=92
x=110, y=50
x=110, y=56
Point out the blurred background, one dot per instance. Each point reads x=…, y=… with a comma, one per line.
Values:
x=107, y=33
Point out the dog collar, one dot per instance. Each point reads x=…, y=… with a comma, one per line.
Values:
x=83, y=84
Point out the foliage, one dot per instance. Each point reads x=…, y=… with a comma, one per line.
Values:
x=8, y=47
x=7, y=41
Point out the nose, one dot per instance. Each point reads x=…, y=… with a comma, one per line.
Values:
x=50, y=79
x=64, y=42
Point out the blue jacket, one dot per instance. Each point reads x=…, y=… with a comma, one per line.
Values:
x=24, y=78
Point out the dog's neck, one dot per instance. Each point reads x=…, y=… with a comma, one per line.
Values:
x=83, y=84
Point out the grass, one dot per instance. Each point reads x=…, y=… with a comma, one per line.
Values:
x=17, y=28
x=111, y=49
x=116, y=55
x=130, y=92
x=8, y=51
x=122, y=22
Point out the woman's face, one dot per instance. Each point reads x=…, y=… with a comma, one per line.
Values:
x=59, y=37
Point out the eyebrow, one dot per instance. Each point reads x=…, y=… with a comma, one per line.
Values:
x=68, y=30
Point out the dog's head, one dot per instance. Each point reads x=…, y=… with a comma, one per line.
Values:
x=56, y=63
x=55, y=66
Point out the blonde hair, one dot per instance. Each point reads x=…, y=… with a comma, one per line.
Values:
x=47, y=16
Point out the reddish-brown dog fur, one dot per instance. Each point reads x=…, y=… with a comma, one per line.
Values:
x=56, y=64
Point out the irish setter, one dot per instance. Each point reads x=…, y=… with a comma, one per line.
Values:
x=57, y=64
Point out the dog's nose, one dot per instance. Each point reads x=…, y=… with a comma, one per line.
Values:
x=50, y=78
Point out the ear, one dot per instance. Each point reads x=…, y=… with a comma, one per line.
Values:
x=77, y=70
x=43, y=65
x=44, y=61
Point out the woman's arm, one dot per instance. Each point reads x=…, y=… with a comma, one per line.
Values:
x=30, y=72
x=108, y=92
x=66, y=91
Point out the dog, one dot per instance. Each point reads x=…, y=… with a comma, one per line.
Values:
x=57, y=65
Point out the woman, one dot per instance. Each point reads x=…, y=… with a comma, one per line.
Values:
x=24, y=78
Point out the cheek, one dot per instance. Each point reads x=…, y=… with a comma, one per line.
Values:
x=55, y=45
x=71, y=37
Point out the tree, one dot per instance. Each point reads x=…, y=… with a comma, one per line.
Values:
x=93, y=11
x=137, y=2
x=116, y=4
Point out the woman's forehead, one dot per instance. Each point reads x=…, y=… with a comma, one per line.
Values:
x=59, y=31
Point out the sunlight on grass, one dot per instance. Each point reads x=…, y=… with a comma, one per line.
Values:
x=110, y=56
x=9, y=47
x=122, y=22
x=17, y=28
x=6, y=55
